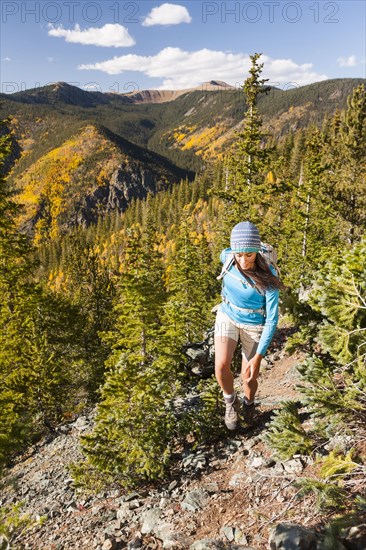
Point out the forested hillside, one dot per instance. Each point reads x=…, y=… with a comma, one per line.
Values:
x=100, y=315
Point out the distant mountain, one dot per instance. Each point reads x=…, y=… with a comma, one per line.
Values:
x=58, y=94
x=150, y=139
x=164, y=96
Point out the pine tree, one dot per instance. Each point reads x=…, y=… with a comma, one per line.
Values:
x=91, y=289
x=246, y=190
x=134, y=425
x=131, y=441
x=187, y=310
x=309, y=230
x=140, y=296
x=347, y=165
x=339, y=295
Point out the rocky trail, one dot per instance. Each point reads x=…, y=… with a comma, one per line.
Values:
x=230, y=495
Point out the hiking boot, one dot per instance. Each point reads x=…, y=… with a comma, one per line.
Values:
x=248, y=413
x=232, y=413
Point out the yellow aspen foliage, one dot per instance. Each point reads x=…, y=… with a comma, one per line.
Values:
x=270, y=178
x=62, y=176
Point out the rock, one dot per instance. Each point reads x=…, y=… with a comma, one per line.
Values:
x=278, y=469
x=201, y=356
x=257, y=462
x=195, y=500
x=203, y=371
x=135, y=543
x=250, y=443
x=165, y=532
x=229, y=533
x=289, y=536
x=197, y=353
x=173, y=485
x=293, y=466
x=354, y=538
x=240, y=538
x=149, y=520
x=134, y=504
x=207, y=544
x=81, y=424
x=109, y=544
x=65, y=429
x=211, y=488
x=340, y=442
x=237, y=479
x=124, y=512
x=236, y=444
x=164, y=502
x=130, y=496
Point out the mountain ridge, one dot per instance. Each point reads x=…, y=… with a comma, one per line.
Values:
x=179, y=136
x=75, y=95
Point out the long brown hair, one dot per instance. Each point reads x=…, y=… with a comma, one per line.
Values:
x=261, y=274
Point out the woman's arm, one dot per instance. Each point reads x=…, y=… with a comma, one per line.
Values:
x=272, y=299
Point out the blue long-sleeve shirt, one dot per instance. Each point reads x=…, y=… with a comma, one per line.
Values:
x=237, y=292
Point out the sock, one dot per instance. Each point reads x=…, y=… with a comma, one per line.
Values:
x=248, y=403
x=229, y=397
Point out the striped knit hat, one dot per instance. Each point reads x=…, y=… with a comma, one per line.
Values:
x=245, y=238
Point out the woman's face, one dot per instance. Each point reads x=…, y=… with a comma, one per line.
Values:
x=246, y=260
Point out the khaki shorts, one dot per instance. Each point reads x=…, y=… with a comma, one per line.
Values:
x=249, y=334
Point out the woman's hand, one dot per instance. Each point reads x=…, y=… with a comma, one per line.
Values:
x=251, y=371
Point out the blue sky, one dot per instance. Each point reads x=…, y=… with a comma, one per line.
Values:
x=121, y=46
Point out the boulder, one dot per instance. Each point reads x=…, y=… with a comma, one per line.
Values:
x=290, y=536
x=195, y=500
x=150, y=520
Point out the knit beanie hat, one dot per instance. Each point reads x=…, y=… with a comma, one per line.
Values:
x=245, y=238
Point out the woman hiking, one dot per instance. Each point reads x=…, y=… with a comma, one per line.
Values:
x=249, y=311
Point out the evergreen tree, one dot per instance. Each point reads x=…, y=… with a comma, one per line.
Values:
x=246, y=189
x=309, y=232
x=189, y=281
x=134, y=426
x=131, y=441
x=339, y=295
x=140, y=297
x=347, y=165
x=91, y=289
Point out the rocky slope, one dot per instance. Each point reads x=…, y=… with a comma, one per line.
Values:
x=229, y=495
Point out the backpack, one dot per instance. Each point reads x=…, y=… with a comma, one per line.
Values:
x=266, y=250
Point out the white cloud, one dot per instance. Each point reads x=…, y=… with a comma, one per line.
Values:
x=167, y=14
x=180, y=69
x=50, y=59
x=110, y=35
x=349, y=61
x=6, y=59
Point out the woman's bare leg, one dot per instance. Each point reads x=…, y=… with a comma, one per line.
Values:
x=224, y=352
x=250, y=388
